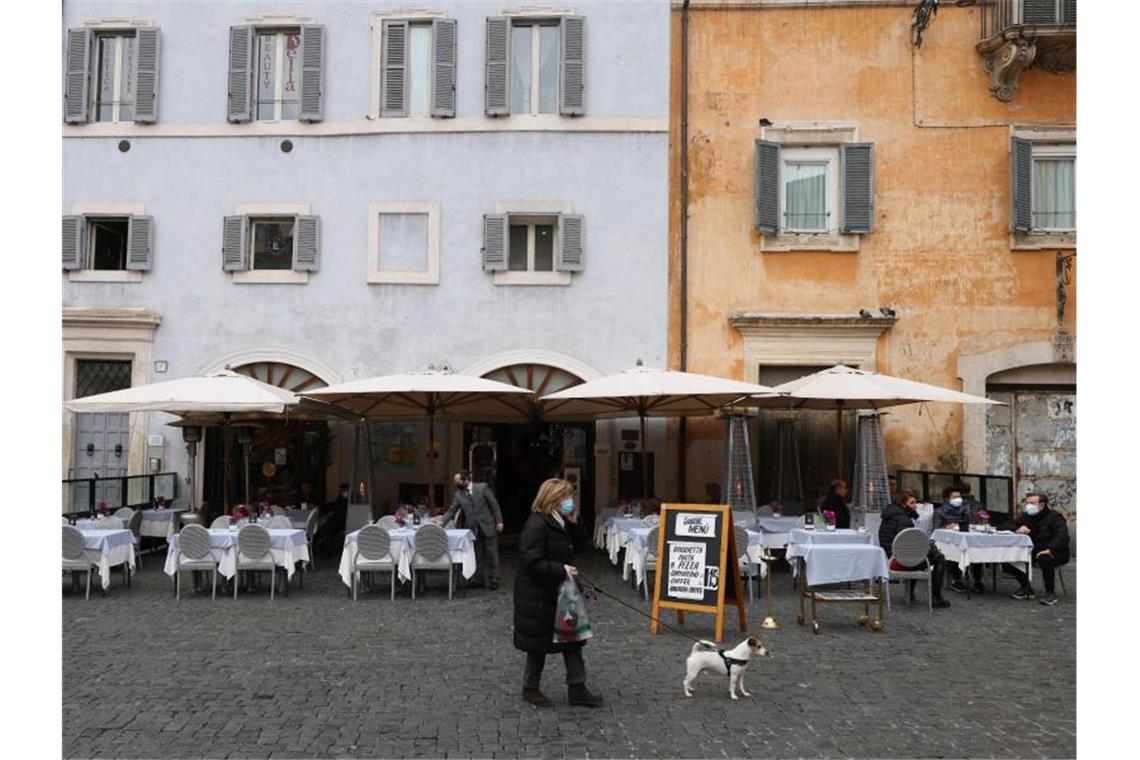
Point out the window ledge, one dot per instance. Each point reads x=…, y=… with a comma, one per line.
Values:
x=384, y=277
x=792, y=241
x=103, y=275
x=271, y=277
x=1036, y=241
x=532, y=278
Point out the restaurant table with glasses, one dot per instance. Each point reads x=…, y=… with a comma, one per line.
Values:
x=161, y=523
x=980, y=547
x=460, y=542
x=92, y=523
x=287, y=545
x=776, y=531
x=108, y=549
x=637, y=548
x=617, y=534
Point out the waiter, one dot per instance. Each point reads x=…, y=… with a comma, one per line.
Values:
x=485, y=519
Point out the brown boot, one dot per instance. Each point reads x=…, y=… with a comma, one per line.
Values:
x=536, y=698
x=579, y=695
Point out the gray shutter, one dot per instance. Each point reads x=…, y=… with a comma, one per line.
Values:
x=1021, y=184
x=74, y=242
x=495, y=237
x=1069, y=12
x=857, y=193
x=307, y=244
x=146, y=75
x=239, y=106
x=1039, y=11
x=443, y=67
x=767, y=198
x=78, y=76
x=312, y=72
x=572, y=67
x=140, y=243
x=235, y=244
x=393, y=71
x=498, y=85
x=570, y=230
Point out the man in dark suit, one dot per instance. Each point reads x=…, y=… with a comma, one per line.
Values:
x=483, y=516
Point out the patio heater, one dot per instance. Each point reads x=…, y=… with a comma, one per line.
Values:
x=192, y=436
x=738, y=490
x=360, y=495
x=788, y=482
x=245, y=438
x=870, y=489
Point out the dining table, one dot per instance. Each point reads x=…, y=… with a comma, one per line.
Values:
x=985, y=547
x=109, y=548
x=637, y=548
x=460, y=543
x=288, y=546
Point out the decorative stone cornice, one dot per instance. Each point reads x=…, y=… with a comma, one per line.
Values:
x=754, y=319
x=111, y=317
x=1010, y=51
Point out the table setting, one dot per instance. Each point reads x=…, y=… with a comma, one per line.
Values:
x=287, y=545
x=460, y=542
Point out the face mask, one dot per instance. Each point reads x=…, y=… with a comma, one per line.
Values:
x=1032, y=509
x=956, y=501
x=566, y=507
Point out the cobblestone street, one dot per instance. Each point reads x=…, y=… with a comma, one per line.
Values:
x=316, y=675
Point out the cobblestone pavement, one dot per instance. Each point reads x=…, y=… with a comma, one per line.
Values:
x=316, y=675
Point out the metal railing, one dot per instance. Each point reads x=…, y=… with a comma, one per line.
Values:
x=999, y=15
x=83, y=495
x=994, y=493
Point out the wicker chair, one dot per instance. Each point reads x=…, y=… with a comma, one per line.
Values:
x=910, y=548
x=75, y=555
x=253, y=554
x=194, y=554
x=221, y=522
x=651, y=555
x=373, y=553
x=432, y=552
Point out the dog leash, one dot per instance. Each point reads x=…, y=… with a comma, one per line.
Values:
x=594, y=586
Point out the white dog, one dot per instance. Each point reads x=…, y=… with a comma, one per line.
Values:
x=731, y=663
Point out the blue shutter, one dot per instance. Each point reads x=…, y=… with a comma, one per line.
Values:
x=393, y=69
x=857, y=177
x=572, y=67
x=239, y=106
x=146, y=75
x=312, y=72
x=498, y=85
x=76, y=95
x=443, y=34
x=767, y=200
x=1021, y=184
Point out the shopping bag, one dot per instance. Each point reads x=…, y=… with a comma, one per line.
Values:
x=571, y=623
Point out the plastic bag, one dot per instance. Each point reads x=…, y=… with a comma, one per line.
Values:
x=571, y=623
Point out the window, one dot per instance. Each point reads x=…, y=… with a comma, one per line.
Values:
x=1043, y=162
x=107, y=243
x=531, y=246
x=1054, y=188
x=269, y=247
x=276, y=73
x=809, y=190
x=417, y=68
x=112, y=75
x=272, y=243
x=278, y=96
x=113, y=93
x=534, y=68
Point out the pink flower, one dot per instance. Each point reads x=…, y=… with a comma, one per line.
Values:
x=984, y=515
x=829, y=516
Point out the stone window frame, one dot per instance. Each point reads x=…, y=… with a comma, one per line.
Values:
x=106, y=275
x=533, y=208
x=271, y=276
x=378, y=276
x=1037, y=240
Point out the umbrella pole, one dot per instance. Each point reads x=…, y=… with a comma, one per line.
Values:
x=227, y=468
x=839, y=442
x=644, y=461
x=431, y=461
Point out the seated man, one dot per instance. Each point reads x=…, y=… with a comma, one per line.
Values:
x=952, y=512
x=898, y=517
x=1050, y=535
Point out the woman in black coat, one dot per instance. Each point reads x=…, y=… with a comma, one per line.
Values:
x=546, y=556
x=836, y=501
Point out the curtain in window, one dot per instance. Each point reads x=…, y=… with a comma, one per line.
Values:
x=805, y=202
x=1054, y=196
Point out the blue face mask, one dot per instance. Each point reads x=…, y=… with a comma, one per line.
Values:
x=566, y=507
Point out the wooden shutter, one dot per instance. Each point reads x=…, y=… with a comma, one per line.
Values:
x=312, y=72
x=857, y=193
x=498, y=85
x=235, y=244
x=569, y=255
x=74, y=242
x=306, y=244
x=393, y=71
x=140, y=243
x=767, y=187
x=1021, y=184
x=572, y=67
x=443, y=41
x=79, y=43
x=146, y=75
x=495, y=237
x=239, y=105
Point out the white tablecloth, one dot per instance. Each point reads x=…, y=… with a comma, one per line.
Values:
x=160, y=523
x=617, y=534
x=600, y=526
x=842, y=563
x=776, y=531
x=801, y=539
x=91, y=523
x=298, y=517
x=288, y=547
x=636, y=549
x=108, y=548
x=975, y=548
x=461, y=543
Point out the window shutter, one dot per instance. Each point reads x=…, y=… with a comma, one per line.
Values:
x=570, y=229
x=571, y=75
x=78, y=76
x=495, y=242
x=238, y=105
x=312, y=72
x=146, y=75
x=1021, y=184
x=307, y=244
x=74, y=235
x=393, y=80
x=498, y=84
x=1069, y=12
x=443, y=67
x=857, y=175
x=140, y=243
x=235, y=244
x=1039, y=11
x=767, y=187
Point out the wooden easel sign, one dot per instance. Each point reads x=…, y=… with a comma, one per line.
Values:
x=697, y=566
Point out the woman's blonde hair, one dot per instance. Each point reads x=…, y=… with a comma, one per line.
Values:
x=550, y=494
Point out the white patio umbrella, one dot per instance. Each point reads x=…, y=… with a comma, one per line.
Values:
x=432, y=394
x=644, y=392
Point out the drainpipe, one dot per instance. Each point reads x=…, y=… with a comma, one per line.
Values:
x=682, y=430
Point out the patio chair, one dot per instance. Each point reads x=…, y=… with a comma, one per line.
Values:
x=432, y=552
x=75, y=559
x=310, y=536
x=222, y=522
x=108, y=523
x=910, y=548
x=745, y=571
x=650, y=555
x=373, y=553
x=650, y=521
x=124, y=514
x=388, y=522
x=66, y=521
x=279, y=522
x=134, y=525
x=253, y=555
x=194, y=554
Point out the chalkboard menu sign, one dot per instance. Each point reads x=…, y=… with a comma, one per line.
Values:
x=697, y=563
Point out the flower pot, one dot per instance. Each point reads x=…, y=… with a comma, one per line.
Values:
x=830, y=526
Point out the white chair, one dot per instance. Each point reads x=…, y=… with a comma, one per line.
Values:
x=222, y=522
x=124, y=514
x=388, y=522
x=432, y=552
x=745, y=564
x=650, y=521
x=650, y=561
x=310, y=536
x=75, y=555
x=66, y=522
x=910, y=548
x=279, y=522
x=194, y=554
x=108, y=523
x=253, y=555
x=373, y=553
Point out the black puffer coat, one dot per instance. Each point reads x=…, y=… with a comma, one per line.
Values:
x=895, y=519
x=544, y=549
x=1047, y=530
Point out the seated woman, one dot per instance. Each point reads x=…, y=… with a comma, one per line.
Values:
x=898, y=517
x=836, y=501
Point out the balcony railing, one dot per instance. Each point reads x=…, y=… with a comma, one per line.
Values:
x=999, y=15
x=1017, y=34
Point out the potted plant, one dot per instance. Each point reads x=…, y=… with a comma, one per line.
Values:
x=829, y=518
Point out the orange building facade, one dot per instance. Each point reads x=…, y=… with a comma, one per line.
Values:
x=840, y=194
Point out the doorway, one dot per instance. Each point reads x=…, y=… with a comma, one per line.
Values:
x=102, y=440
